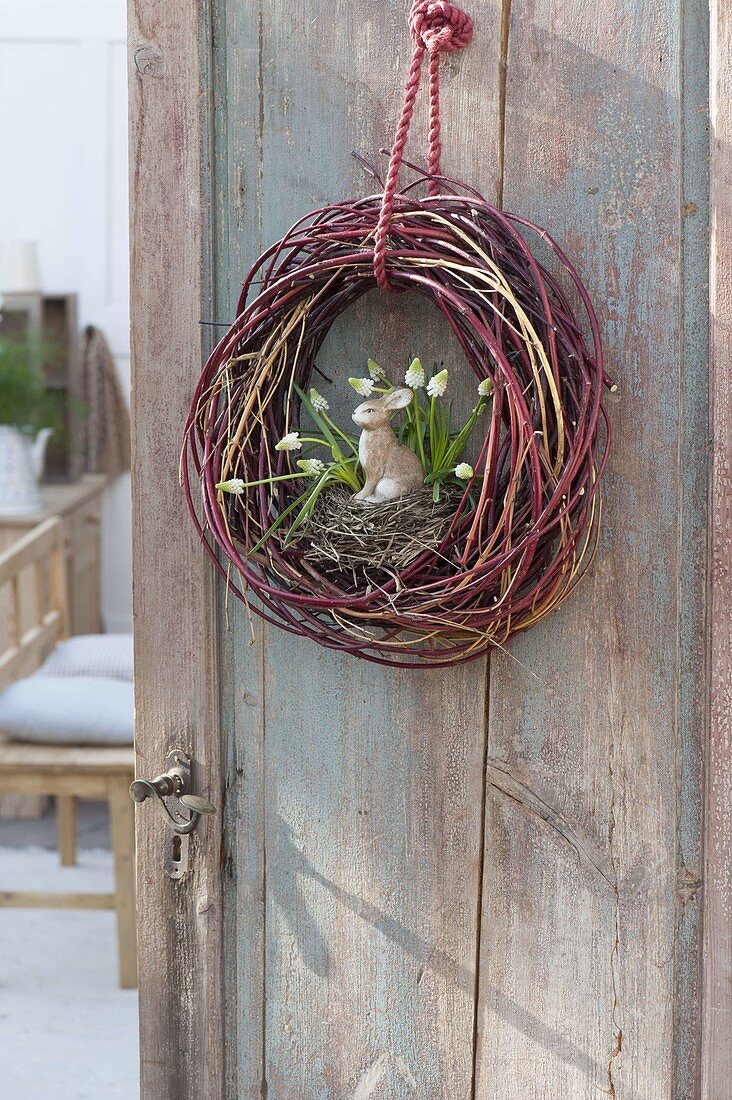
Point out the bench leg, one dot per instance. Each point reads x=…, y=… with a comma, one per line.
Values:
x=66, y=829
x=121, y=820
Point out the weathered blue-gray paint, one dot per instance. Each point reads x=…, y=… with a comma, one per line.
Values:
x=354, y=800
x=353, y=807
x=693, y=556
x=233, y=156
x=585, y=986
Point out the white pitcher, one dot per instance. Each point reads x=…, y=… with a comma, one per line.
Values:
x=21, y=466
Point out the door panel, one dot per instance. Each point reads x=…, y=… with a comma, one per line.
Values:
x=371, y=779
x=176, y=689
x=605, y=144
x=432, y=884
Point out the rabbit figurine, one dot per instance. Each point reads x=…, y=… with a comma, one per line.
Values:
x=391, y=470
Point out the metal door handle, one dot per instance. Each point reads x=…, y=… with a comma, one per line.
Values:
x=175, y=782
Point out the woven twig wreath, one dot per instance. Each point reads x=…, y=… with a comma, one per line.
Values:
x=503, y=564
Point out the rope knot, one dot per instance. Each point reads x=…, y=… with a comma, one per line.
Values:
x=441, y=27
x=436, y=27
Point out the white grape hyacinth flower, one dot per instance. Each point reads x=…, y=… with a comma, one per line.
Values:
x=464, y=471
x=437, y=384
x=318, y=402
x=414, y=377
x=233, y=485
x=311, y=466
x=376, y=372
x=289, y=442
x=485, y=389
x=363, y=386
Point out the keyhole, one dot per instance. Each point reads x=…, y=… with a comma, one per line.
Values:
x=177, y=860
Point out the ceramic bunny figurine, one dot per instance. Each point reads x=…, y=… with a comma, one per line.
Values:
x=391, y=470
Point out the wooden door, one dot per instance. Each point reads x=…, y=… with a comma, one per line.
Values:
x=483, y=882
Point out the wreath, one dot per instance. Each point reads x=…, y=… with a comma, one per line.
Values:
x=483, y=550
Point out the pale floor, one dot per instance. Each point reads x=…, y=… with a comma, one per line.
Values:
x=40, y=832
x=67, y=1032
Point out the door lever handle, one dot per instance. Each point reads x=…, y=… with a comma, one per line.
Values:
x=175, y=782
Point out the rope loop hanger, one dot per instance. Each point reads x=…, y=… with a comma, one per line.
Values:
x=436, y=27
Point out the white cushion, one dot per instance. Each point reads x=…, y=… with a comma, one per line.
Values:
x=107, y=655
x=68, y=710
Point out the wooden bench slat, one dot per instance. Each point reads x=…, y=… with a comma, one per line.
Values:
x=15, y=755
x=89, y=785
x=32, y=899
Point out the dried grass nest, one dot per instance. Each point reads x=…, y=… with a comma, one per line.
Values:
x=375, y=542
x=501, y=563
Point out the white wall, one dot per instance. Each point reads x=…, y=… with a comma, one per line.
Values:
x=63, y=135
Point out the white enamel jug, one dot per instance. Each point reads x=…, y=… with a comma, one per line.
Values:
x=21, y=466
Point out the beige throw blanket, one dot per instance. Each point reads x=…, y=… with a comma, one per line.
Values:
x=107, y=416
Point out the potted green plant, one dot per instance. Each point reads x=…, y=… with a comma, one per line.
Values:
x=27, y=419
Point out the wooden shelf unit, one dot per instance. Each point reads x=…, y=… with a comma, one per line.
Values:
x=55, y=317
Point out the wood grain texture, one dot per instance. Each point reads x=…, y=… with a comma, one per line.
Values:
x=233, y=228
x=363, y=880
x=352, y=932
x=589, y=962
x=175, y=675
x=372, y=836
x=66, y=830
x=718, y=907
x=86, y=760
x=693, y=580
x=19, y=899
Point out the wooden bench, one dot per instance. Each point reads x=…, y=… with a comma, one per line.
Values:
x=67, y=772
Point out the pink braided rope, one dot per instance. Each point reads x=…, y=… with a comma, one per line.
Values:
x=436, y=27
x=434, y=146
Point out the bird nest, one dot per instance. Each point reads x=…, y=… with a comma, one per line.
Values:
x=373, y=542
x=522, y=533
